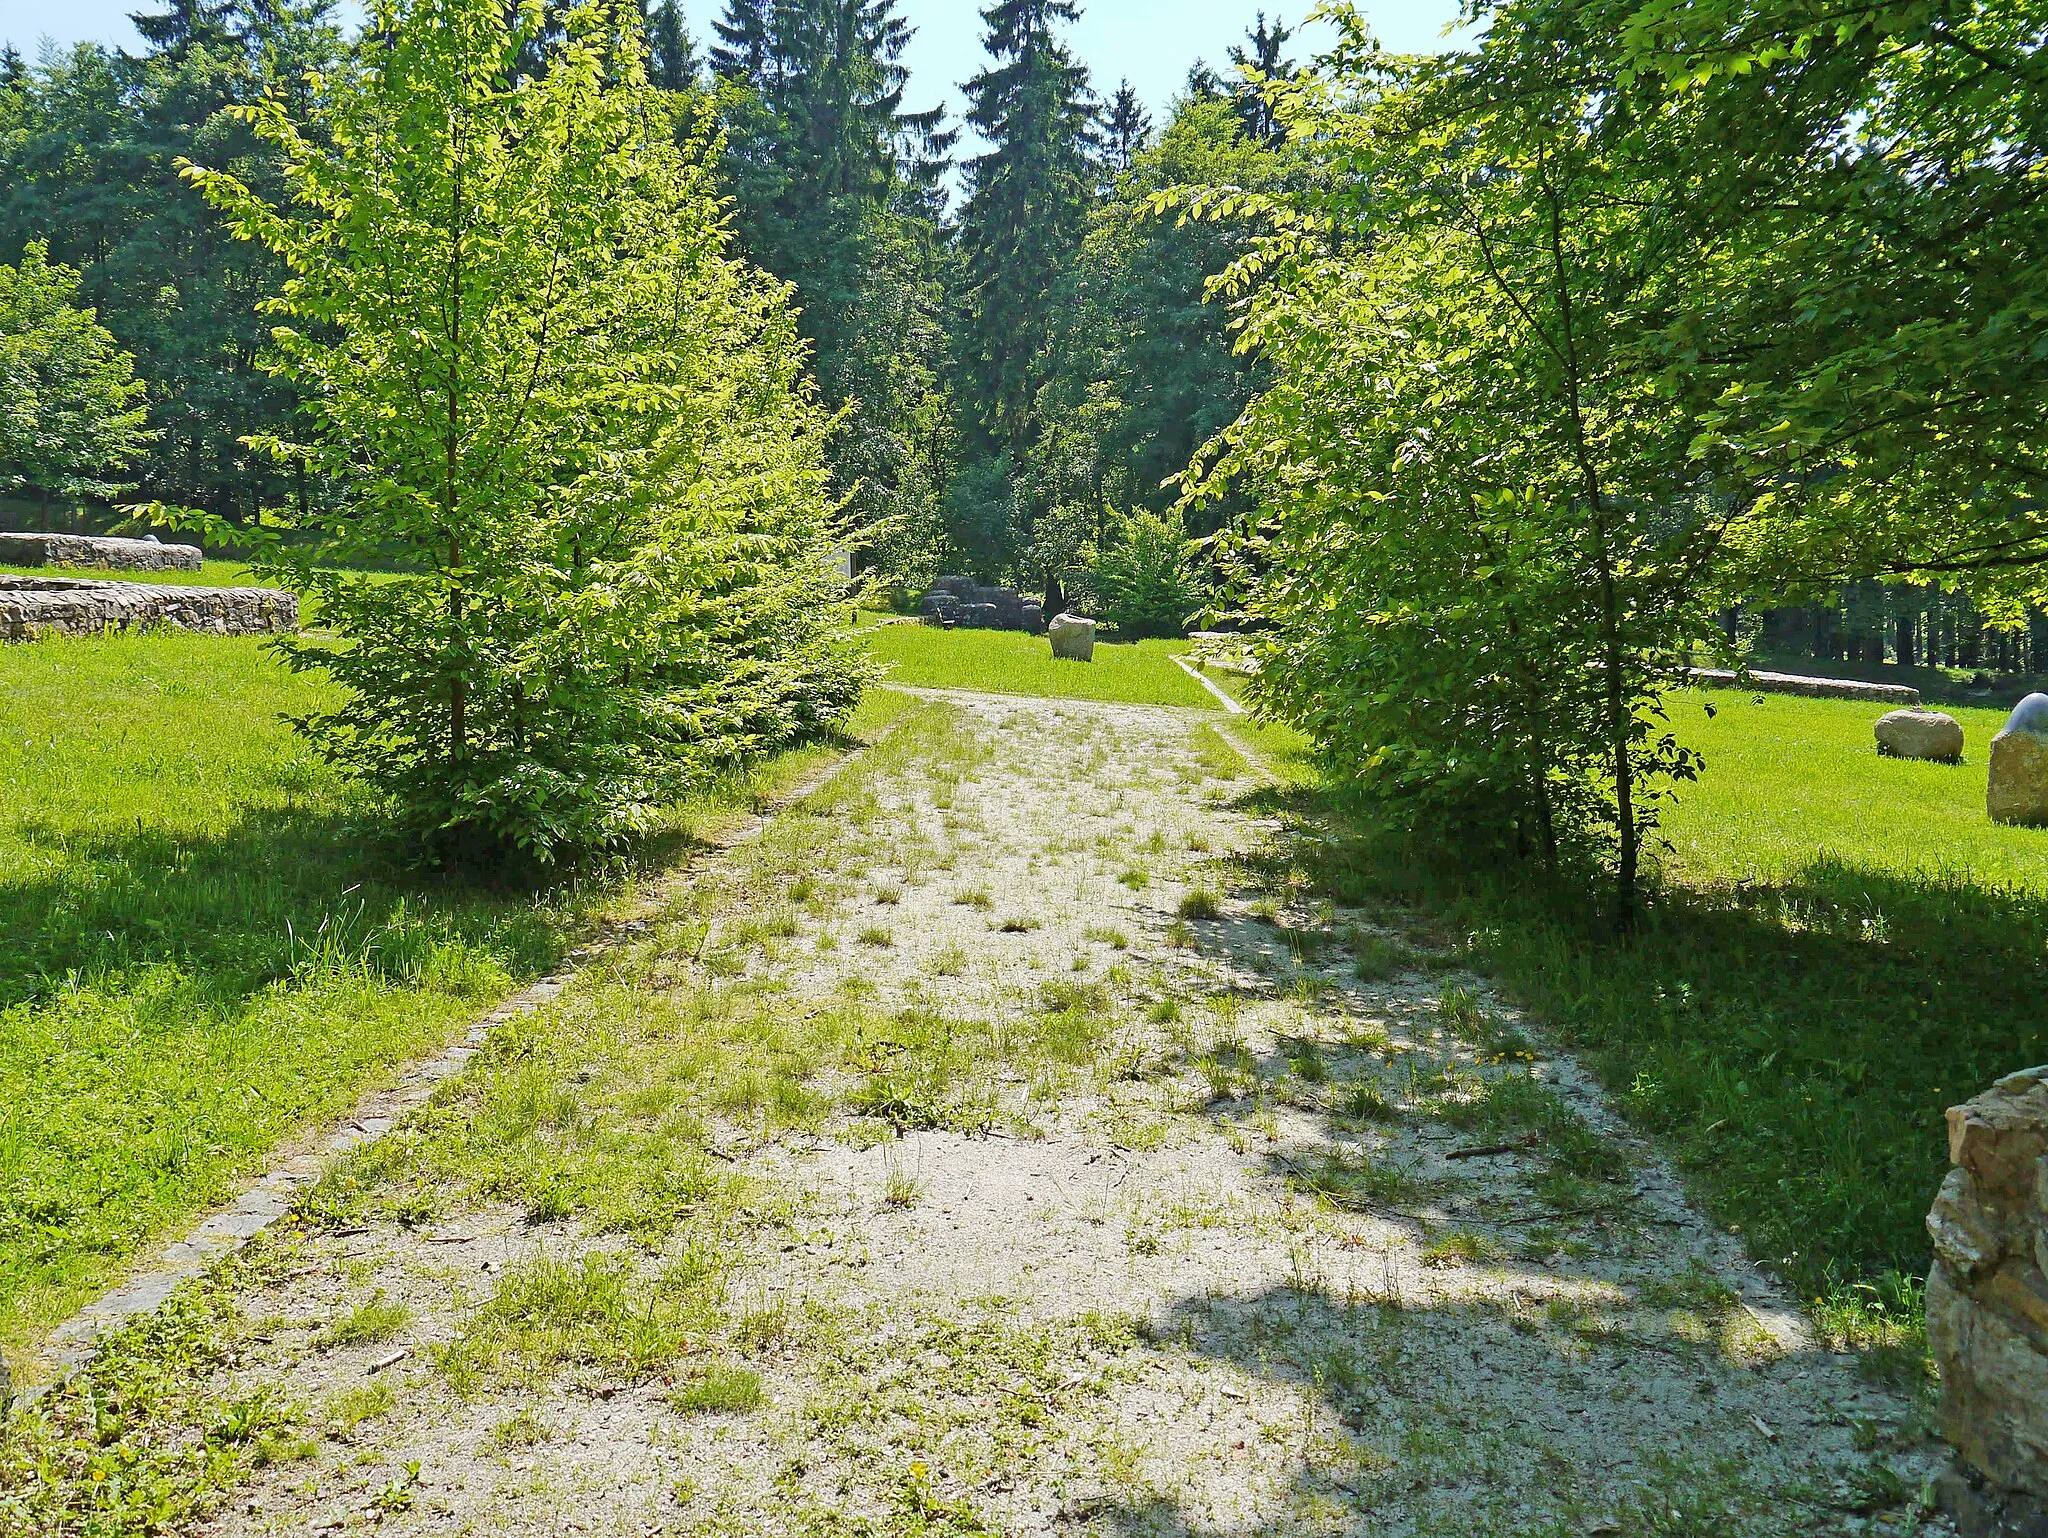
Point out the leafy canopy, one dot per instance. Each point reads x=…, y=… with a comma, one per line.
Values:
x=555, y=399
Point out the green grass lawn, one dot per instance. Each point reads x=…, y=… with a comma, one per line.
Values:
x=1004, y=662
x=1840, y=946
x=1791, y=780
x=201, y=949
x=213, y=574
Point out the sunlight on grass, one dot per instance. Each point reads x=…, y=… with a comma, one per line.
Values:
x=1004, y=662
x=1789, y=781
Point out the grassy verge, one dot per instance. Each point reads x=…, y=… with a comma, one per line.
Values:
x=202, y=950
x=213, y=574
x=1002, y=662
x=1841, y=946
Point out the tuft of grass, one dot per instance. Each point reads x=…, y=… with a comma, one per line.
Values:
x=1201, y=906
x=720, y=1390
x=375, y=1320
x=1018, y=924
x=901, y=1189
x=1462, y=1247
x=1376, y=959
x=877, y=936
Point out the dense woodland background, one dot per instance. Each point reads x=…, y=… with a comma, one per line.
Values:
x=1026, y=355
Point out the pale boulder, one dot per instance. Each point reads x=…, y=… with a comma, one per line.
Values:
x=1922, y=734
x=1073, y=638
x=2019, y=766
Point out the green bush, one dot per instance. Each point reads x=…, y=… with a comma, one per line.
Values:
x=1141, y=576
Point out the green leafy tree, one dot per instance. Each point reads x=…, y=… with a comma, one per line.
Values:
x=71, y=413
x=545, y=384
x=1143, y=584
x=1486, y=537
x=1879, y=178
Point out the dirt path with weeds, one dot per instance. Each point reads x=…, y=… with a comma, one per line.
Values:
x=1000, y=1145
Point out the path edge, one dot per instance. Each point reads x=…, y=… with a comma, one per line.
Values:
x=71, y=1347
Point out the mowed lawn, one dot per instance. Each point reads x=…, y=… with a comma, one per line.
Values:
x=1790, y=781
x=1004, y=662
x=197, y=955
x=212, y=574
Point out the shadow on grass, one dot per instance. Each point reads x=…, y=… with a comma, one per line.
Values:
x=279, y=892
x=1794, y=1044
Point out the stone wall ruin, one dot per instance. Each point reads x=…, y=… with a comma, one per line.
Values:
x=81, y=550
x=1987, y=1308
x=31, y=607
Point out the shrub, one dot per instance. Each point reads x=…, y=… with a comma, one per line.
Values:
x=1141, y=576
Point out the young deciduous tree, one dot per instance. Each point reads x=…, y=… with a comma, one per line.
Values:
x=71, y=412
x=1485, y=538
x=542, y=384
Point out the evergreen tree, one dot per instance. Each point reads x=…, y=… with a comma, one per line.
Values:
x=745, y=37
x=1126, y=128
x=672, y=62
x=188, y=24
x=1026, y=211
x=89, y=165
x=1263, y=65
x=13, y=71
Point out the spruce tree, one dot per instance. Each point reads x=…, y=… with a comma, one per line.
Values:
x=1264, y=64
x=672, y=62
x=1126, y=128
x=188, y=24
x=1026, y=212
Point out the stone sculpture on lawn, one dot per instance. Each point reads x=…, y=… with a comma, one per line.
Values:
x=1928, y=735
x=2019, y=766
x=1073, y=638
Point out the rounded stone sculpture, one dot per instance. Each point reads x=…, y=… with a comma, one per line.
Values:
x=1073, y=638
x=2019, y=766
x=1922, y=734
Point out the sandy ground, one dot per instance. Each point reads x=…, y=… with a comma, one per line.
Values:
x=1244, y=1265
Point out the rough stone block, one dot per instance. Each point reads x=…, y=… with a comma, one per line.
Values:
x=1929, y=735
x=1073, y=638
x=1987, y=1295
x=95, y=551
x=2019, y=766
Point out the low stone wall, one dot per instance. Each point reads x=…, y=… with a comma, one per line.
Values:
x=39, y=606
x=92, y=551
x=1987, y=1308
x=1812, y=688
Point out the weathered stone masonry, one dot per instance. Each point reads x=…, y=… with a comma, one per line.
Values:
x=102, y=554
x=39, y=606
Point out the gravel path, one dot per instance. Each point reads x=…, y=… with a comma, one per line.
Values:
x=1005, y=1145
